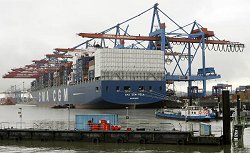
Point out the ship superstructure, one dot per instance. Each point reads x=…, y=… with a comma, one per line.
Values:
x=105, y=75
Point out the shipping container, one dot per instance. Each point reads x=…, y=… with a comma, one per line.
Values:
x=91, y=74
x=92, y=62
x=85, y=122
x=92, y=67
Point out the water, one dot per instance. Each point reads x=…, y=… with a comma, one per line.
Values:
x=41, y=117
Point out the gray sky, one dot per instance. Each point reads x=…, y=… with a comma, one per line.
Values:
x=29, y=29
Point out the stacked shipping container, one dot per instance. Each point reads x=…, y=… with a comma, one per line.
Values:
x=81, y=72
x=91, y=71
x=108, y=64
x=129, y=64
x=78, y=72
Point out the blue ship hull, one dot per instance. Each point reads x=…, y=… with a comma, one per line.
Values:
x=104, y=94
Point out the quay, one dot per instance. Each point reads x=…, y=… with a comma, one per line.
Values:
x=122, y=136
x=105, y=128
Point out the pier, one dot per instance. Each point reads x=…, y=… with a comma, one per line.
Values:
x=137, y=136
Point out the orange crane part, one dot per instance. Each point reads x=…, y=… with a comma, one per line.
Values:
x=15, y=73
x=206, y=32
x=40, y=61
x=46, y=62
x=67, y=50
x=172, y=53
x=149, y=38
x=18, y=69
x=125, y=37
x=32, y=66
x=27, y=73
x=22, y=76
x=49, y=68
x=59, y=56
x=36, y=68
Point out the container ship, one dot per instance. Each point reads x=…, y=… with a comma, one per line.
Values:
x=105, y=77
x=135, y=71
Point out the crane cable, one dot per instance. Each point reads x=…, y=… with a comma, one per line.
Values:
x=216, y=47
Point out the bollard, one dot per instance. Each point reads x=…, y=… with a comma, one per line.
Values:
x=238, y=109
x=226, y=118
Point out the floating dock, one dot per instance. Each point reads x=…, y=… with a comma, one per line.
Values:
x=138, y=136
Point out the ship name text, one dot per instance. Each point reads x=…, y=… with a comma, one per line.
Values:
x=56, y=95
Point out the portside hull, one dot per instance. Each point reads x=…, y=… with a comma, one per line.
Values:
x=104, y=94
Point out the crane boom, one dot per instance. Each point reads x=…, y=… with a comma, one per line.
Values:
x=150, y=38
x=125, y=37
x=67, y=50
x=59, y=56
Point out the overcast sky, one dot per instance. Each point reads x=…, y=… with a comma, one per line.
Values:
x=29, y=29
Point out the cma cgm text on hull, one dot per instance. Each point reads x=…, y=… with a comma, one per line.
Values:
x=57, y=95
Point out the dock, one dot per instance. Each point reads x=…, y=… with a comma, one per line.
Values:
x=140, y=137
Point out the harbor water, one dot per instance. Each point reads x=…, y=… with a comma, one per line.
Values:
x=28, y=116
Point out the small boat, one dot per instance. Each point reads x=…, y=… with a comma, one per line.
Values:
x=70, y=106
x=193, y=113
x=8, y=101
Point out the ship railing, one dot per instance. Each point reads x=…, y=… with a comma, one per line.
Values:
x=148, y=126
x=43, y=125
x=84, y=81
x=21, y=125
x=54, y=125
x=217, y=130
x=193, y=127
x=35, y=126
x=4, y=125
x=133, y=125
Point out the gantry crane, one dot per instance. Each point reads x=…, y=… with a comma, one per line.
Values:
x=41, y=67
x=193, y=38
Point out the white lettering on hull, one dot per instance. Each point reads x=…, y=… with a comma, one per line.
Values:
x=134, y=98
x=54, y=95
x=43, y=96
x=39, y=97
x=65, y=93
x=47, y=96
x=75, y=94
x=57, y=95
